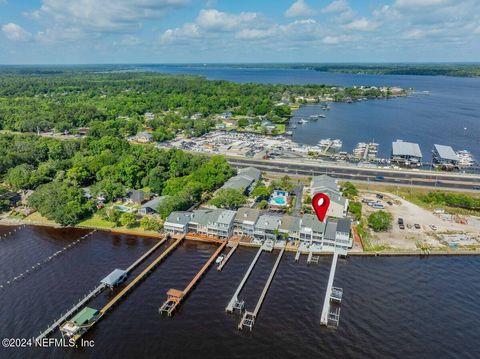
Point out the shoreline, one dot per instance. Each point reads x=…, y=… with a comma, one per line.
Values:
x=290, y=248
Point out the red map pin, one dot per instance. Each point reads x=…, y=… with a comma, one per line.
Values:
x=320, y=203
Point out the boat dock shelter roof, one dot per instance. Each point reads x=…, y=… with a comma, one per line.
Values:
x=113, y=278
x=401, y=148
x=446, y=153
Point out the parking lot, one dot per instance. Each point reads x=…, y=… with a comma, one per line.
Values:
x=420, y=226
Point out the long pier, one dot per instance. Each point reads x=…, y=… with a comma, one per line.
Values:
x=96, y=291
x=234, y=302
x=328, y=294
x=141, y=276
x=225, y=260
x=175, y=296
x=248, y=318
x=70, y=312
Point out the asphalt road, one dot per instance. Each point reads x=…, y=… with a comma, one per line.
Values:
x=397, y=177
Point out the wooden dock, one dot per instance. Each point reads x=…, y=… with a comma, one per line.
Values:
x=326, y=314
x=225, y=260
x=249, y=318
x=175, y=296
x=234, y=302
x=96, y=291
x=147, y=254
x=142, y=275
x=56, y=324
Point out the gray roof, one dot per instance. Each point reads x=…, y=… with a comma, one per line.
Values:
x=343, y=225
x=268, y=222
x=446, y=152
x=208, y=216
x=245, y=214
x=113, y=277
x=225, y=216
x=401, y=148
x=311, y=221
x=154, y=202
x=290, y=223
x=137, y=196
x=331, y=230
x=324, y=181
x=335, y=196
x=251, y=172
x=181, y=218
x=144, y=134
x=238, y=182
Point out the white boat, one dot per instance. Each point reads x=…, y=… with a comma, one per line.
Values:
x=219, y=259
x=302, y=121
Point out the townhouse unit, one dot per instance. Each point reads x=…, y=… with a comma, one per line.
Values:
x=212, y=222
x=245, y=220
x=328, y=185
x=267, y=227
x=177, y=222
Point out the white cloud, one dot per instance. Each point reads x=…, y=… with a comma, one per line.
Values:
x=299, y=8
x=15, y=32
x=360, y=25
x=212, y=19
x=73, y=19
x=337, y=6
x=187, y=31
x=419, y=3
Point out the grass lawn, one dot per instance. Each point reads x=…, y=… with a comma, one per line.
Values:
x=414, y=195
x=38, y=218
x=97, y=222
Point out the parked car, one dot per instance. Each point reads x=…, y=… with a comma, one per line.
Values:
x=400, y=221
x=401, y=226
x=417, y=226
x=379, y=178
x=379, y=196
x=409, y=226
x=433, y=227
x=390, y=203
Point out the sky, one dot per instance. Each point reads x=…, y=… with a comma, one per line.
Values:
x=235, y=31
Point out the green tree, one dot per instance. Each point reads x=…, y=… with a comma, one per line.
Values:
x=20, y=177
x=380, y=221
x=128, y=219
x=261, y=192
x=151, y=224
x=263, y=204
x=355, y=208
x=349, y=190
x=229, y=198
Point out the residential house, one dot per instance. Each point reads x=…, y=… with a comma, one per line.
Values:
x=136, y=197
x=337, y=234
x=267, y=227
x=212, y=222
x=226, y=115
x=244, y=180
x=328, y=185
x=289, y=227
x=151, y=207
x=245, y=220
x=311, y=229
x=143, y=137
x=177, y=222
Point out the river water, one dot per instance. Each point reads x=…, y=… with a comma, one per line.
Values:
x=402, y=307
x=450, y=115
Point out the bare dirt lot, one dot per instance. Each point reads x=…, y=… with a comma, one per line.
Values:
x=435, y=230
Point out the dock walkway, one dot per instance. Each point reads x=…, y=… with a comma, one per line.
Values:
x=175, y=296
x=142, y=275
x=248, y=318
x=328, y=294
x=70, y=312
x=225, y=260
x=96, y=291
x=234, y=302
